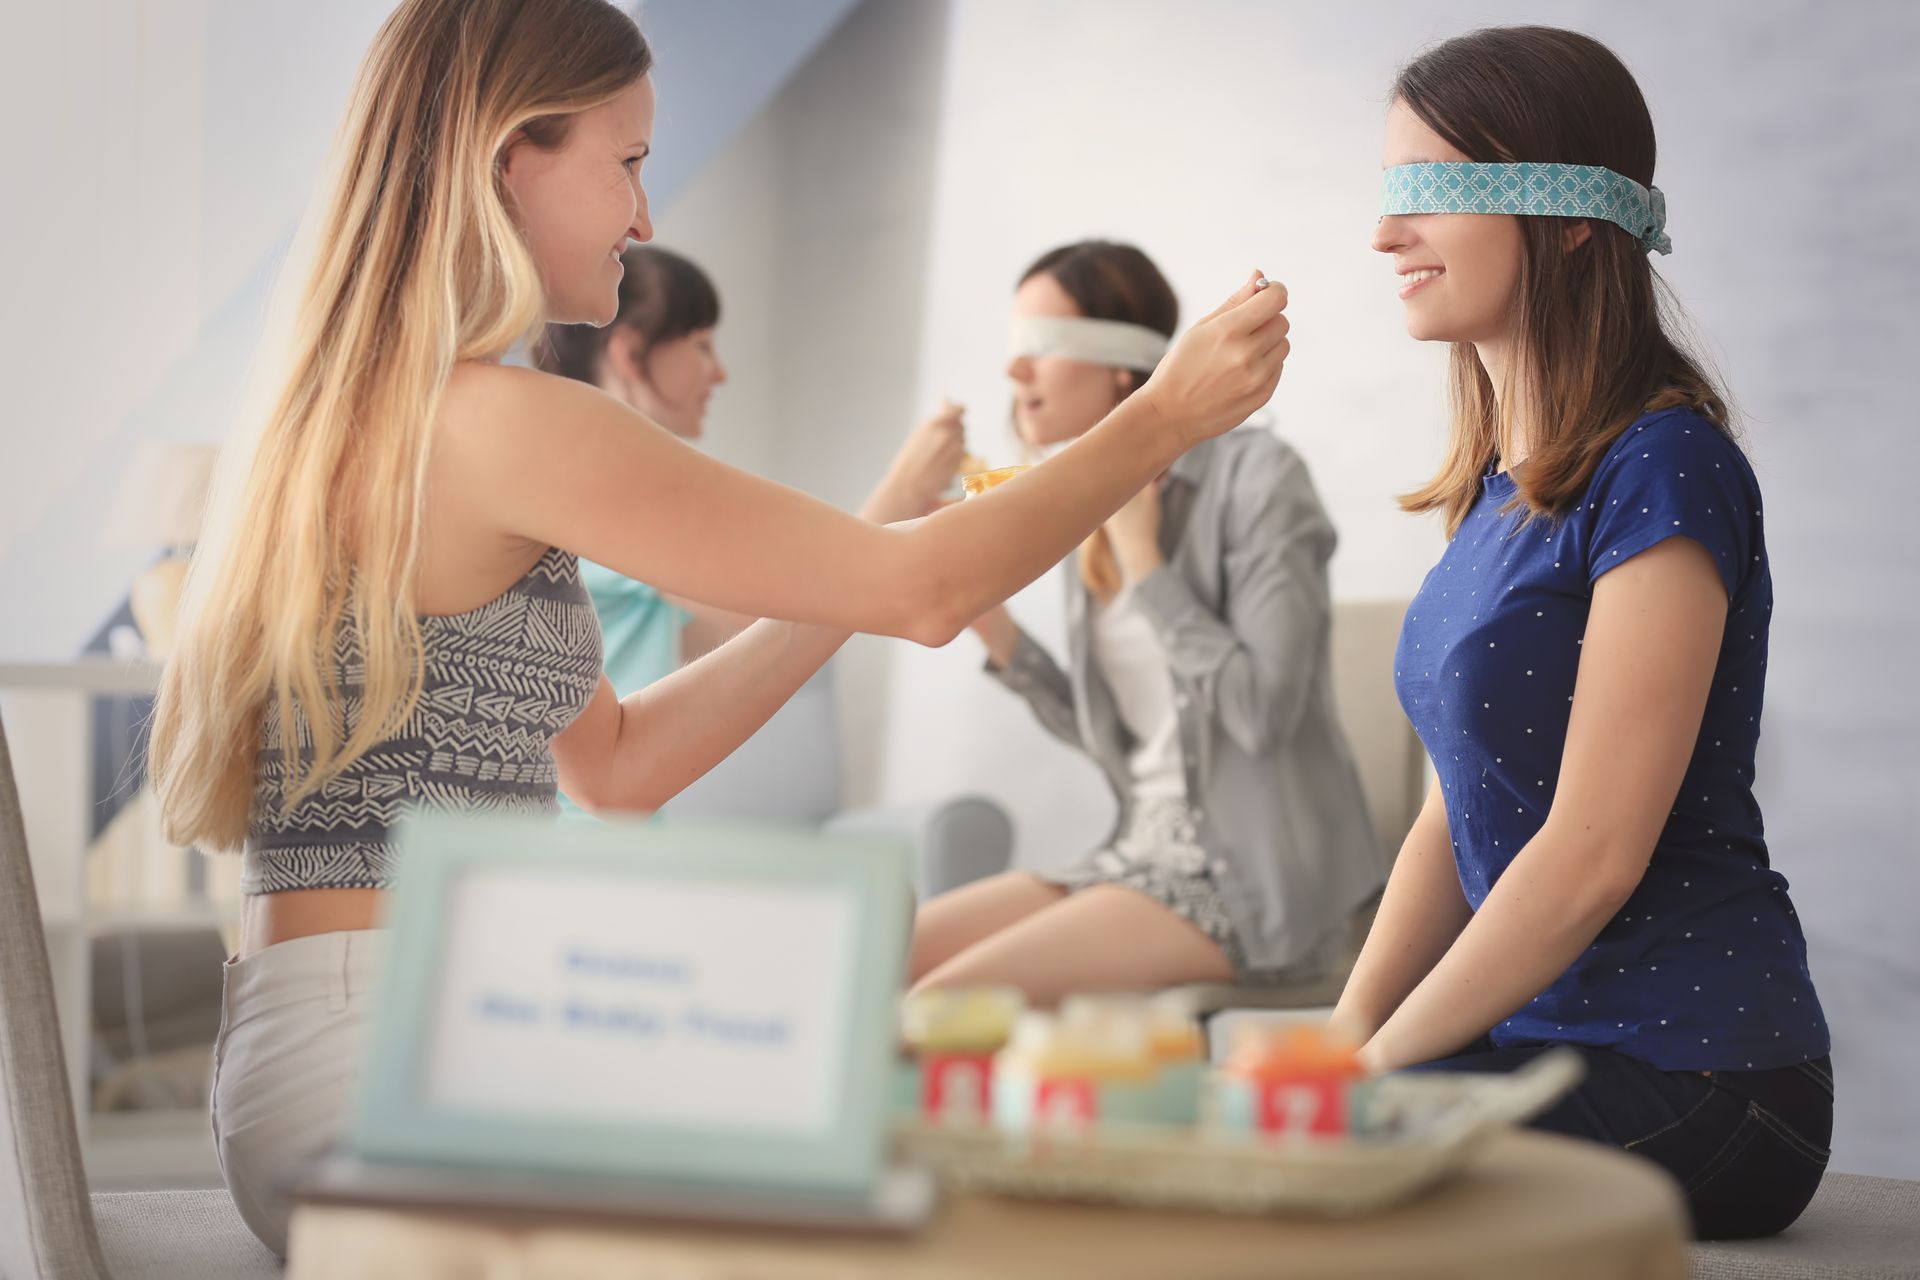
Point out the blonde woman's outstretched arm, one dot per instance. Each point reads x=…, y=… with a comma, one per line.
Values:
x=561, y=464
x=634, y=754
x=557, y=463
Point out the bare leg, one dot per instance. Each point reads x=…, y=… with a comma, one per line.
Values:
x=954, y=921
x=1106, y=938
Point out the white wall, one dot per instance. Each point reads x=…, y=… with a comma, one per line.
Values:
x=716, y=63
x=815, y=226
x=1233, y=134
x=165, y=153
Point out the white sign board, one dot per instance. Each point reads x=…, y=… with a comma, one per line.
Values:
x=606, y=997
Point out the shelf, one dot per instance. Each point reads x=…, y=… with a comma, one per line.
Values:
x=113, y=920
x=83, y=675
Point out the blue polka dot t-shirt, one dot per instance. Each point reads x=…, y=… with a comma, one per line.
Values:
x=1705, y=967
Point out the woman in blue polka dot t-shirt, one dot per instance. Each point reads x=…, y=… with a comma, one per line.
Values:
x=1585, y=666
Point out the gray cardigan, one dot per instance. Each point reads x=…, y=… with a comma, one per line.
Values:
x=1243, y=610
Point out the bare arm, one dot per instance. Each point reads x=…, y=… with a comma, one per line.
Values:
x=634, y=754
x=1000, y=633
x=1646, y=667
x=1421, y=913
x=919, y=474
x=707, y=628
x=599, y=480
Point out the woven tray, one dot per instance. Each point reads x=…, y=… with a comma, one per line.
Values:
x=1432, y=1122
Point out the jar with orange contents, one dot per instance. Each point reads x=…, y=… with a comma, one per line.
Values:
x=1294, y=1080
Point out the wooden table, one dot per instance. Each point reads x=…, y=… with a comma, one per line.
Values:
x=1528, y=1205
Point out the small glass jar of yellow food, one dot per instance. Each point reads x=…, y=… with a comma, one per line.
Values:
x=1099, y=1062
x=1175, y=1042
x=950, y=1038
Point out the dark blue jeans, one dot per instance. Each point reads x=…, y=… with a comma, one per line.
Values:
x=1747, y=1147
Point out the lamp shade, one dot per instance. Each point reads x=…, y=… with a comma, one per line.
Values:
x=162, y=496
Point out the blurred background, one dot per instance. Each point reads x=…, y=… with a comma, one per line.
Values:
x=864, y=180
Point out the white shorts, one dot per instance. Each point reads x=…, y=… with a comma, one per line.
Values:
x=284, y=1067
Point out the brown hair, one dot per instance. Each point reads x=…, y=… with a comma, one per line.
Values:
x=663, y=297
x=1110, y=281
x=1594, y=350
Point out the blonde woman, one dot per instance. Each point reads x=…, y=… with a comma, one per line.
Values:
x=388, y=611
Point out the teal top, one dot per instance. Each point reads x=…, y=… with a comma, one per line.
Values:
x=640, y=634
x=639, y=628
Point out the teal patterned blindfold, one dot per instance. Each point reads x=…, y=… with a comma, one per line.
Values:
x=1532, y=190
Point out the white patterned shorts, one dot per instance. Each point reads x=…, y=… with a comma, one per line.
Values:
x=1158, y=853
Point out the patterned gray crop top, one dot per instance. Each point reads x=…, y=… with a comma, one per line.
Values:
x=501, y=683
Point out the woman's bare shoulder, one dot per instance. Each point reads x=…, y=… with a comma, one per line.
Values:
x=502, y=410
x=486, y=394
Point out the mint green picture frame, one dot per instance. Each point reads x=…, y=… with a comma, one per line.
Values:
x=391, y=1121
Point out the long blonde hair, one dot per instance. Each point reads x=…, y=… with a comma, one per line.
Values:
x=417, y=264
